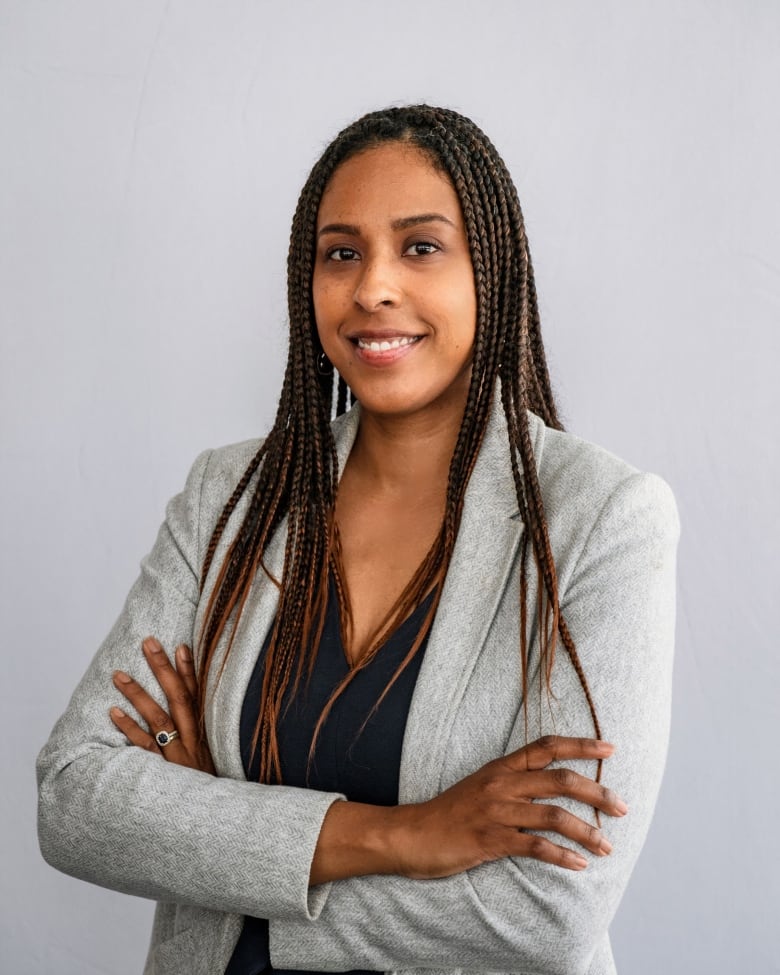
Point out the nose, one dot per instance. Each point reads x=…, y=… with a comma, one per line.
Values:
x=378, y=285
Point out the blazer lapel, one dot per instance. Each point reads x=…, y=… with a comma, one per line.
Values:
x=484, y=555
x=226, y=696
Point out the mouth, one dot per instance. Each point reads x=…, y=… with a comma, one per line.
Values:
x=383, y=348
x=367, y=344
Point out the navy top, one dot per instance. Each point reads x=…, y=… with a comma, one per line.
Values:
x=364, y=766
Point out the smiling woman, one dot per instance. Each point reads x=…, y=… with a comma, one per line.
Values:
x=410, y=622
x=393, y=286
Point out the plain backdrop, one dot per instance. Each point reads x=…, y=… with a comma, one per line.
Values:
x=151, y=153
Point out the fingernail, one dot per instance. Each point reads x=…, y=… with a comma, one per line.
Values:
x=579, y=862
x=122, y=677
x=606, y=846
x=184, y=653
x=117, y=713
x=152, y=645
x=621, y=807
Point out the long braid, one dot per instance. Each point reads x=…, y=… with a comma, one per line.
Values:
x=295, y=472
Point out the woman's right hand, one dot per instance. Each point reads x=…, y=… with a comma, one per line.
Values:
x=179, y=683
x=483, y=817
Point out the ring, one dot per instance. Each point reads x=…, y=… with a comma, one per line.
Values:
x=164, y=738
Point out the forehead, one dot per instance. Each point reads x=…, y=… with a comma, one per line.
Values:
x=385, y=183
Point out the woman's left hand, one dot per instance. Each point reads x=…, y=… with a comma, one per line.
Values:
x=180, y=686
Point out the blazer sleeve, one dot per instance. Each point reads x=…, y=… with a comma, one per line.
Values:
x=520, y=915
x=116, y=815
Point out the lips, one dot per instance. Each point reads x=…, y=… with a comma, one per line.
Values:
x=386, y=344
x=383, y=348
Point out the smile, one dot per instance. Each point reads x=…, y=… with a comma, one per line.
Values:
x=385, y=345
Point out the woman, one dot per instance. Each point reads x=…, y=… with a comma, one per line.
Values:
x=391, y=610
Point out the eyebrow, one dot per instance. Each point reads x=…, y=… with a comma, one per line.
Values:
x=405, y=222
x=402, y=223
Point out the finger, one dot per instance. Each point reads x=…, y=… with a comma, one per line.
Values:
x=180, y=700
x=554, y=748
x=553, y=819
x=134, y=733
x=186, y=670
x=540, y=848
x=557, y=782
x=156, y=718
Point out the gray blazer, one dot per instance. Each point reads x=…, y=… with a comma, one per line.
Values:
x=212, y=849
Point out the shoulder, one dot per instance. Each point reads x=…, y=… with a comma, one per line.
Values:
x=584, y=485
x=221, y=468
x=212, y=478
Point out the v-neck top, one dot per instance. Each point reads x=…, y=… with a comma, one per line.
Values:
x=363, y=765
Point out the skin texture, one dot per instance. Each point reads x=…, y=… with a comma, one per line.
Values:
x=392, y=264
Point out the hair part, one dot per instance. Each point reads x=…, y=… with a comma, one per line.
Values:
x=295, y=472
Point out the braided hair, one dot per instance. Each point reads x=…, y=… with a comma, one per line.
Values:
x=294, y=474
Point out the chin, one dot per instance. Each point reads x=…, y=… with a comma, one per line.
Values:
x=411, y=404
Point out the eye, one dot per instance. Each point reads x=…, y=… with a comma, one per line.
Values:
x=422, y=248
x=342, y=254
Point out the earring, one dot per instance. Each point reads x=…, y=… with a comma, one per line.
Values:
x=324, y=365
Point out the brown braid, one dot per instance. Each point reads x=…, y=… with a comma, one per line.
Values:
x=295, y=472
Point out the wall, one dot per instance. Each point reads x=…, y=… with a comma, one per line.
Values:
x=152, y=154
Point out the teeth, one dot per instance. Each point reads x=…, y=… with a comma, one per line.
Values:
x=385, y=345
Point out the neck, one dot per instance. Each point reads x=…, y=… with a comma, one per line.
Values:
x=402, y=454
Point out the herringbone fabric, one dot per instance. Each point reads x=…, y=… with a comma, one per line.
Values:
x=211, y=849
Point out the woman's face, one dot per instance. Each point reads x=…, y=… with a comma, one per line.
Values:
x=393, y=284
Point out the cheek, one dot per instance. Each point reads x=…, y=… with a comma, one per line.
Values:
x=322, y=309
x=463, y=309
x=461, y=296
x=327, y=299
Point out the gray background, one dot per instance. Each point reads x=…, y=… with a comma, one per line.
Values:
x=151, y=157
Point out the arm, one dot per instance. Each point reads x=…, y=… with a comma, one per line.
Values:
x=486, y=816
x=122, y=817
x=521, y=914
